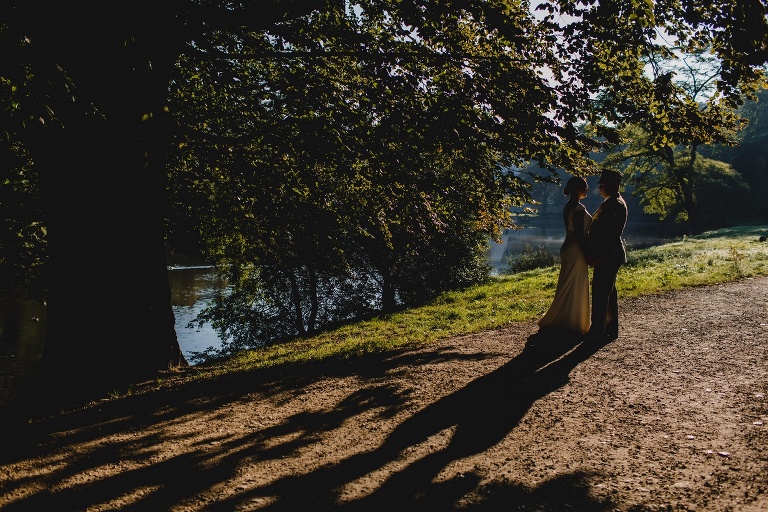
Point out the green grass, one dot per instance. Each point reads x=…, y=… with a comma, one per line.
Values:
x=713, y=257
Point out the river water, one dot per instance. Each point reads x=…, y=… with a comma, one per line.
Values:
x=549, y=234
x=192, y=288
x=22, y=325
x=22, y=335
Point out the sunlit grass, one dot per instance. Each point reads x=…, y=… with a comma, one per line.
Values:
x=713, y=257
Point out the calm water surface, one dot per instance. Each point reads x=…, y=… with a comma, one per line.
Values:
x=22, y=335
x=550, y=234
x=192, y=289
x=22, y=325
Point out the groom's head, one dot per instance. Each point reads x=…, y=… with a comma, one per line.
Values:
x=609, y=182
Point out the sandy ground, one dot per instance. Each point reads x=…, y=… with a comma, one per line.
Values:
x=671, y=416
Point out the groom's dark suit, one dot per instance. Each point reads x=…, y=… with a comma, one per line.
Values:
x=606, y=251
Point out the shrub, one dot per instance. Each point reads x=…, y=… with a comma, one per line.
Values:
x=529, y=259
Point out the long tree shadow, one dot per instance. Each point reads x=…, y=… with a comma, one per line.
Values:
x=482, y=413
x=76, y=442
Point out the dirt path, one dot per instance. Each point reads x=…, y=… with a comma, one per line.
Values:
x=671, y=416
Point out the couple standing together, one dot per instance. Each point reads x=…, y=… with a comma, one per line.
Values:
x=590, y=241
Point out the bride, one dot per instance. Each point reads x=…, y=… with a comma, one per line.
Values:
x=570, y=307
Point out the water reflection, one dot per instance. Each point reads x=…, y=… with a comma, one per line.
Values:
x=22, y=325
x=22, y=336
x=549, y=233
x=192, y=289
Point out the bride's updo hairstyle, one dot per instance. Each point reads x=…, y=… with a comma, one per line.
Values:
x=574, y=184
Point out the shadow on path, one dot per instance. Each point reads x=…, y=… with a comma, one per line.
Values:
x=483, y=413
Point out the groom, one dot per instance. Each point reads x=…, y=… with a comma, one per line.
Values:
x=606, y=253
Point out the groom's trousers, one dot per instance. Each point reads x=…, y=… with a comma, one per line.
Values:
x=605, y=306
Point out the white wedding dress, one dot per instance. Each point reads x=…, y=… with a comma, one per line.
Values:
x=570, y=307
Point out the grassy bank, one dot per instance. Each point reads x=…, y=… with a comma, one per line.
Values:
x=714, y=257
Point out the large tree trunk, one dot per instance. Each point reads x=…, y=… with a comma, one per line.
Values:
x=110, y=321
x=101, y=160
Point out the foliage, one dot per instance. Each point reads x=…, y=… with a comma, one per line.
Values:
x=675, y=181
x=662, y=184
x=683, y=112
x=370, y=164
x=269, y=307
x=715, y=183
x=23, y=256
x=750, y=156
x=529, y=259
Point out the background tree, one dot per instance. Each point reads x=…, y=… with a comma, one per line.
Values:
x=23, y=258
x=750, y=157
x=682, y=113
x=385, y=164
x=677, y=183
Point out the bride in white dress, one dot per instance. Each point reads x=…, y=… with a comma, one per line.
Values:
x=570, y=307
